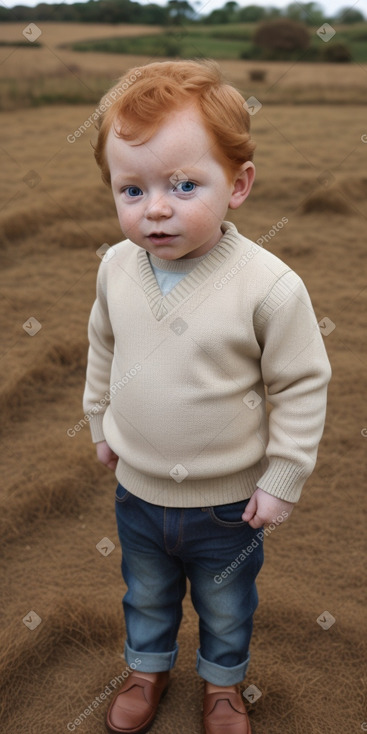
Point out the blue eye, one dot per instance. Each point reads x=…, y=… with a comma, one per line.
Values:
x=132, y=191
x=187, y=186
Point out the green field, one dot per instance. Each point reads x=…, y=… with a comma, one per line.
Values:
x=229, y=41
x=191, y=44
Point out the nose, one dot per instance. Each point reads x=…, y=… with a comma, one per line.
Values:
x=157, y=207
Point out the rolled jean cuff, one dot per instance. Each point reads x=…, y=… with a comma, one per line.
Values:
x=151, y=662
x=220, y=675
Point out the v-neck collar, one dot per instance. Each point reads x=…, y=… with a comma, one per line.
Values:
x=163, y=305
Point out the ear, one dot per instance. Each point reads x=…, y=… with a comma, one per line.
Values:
x=242, y=185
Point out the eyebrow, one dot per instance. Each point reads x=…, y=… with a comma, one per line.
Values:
x=120, y=178
x=130, y=175
x=127, y=175
x=190, y=171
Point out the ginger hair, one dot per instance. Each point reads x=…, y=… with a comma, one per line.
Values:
x=142, y=98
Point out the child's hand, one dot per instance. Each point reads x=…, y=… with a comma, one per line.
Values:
x=264, y=509
x=106, y=455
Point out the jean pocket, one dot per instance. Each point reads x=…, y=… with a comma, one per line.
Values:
x=122, y=494
x=229, y=515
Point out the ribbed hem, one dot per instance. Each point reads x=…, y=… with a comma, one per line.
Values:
x=283, y=479
x=191, y=493
x=96, y=429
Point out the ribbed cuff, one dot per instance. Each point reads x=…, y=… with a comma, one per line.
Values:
x=283, y=479
x=96, y=428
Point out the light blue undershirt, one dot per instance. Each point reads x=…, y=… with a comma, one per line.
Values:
x=165, y=279
x=169, y=272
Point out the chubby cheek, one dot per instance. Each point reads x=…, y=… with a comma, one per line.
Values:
x=128, y=219
x=201, y=217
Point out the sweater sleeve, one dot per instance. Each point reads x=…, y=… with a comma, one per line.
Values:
x=296, y=371
x=101, y=346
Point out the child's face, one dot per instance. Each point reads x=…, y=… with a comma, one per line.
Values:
x=173, y=186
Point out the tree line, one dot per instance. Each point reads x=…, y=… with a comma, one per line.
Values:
x=174, y=12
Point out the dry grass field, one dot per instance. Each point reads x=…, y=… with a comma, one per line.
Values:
x=57, y=503
x=32, y=75
x=50, y=57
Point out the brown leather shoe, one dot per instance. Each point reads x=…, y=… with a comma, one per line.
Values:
x=225, y=713
x=134, y=706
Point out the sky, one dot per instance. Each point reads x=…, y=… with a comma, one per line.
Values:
x=330, y=7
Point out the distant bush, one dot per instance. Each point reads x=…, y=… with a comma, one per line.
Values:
x=251, y=14
x=21, y=44
x=337, y=52
x=257, y=75
x=281, y=38
x=350, y=15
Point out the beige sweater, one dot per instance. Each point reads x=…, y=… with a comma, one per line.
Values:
x=176, y=384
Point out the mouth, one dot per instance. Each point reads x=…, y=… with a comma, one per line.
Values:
x=161, y=236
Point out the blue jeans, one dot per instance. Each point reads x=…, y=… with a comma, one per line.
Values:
x=220, y=555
